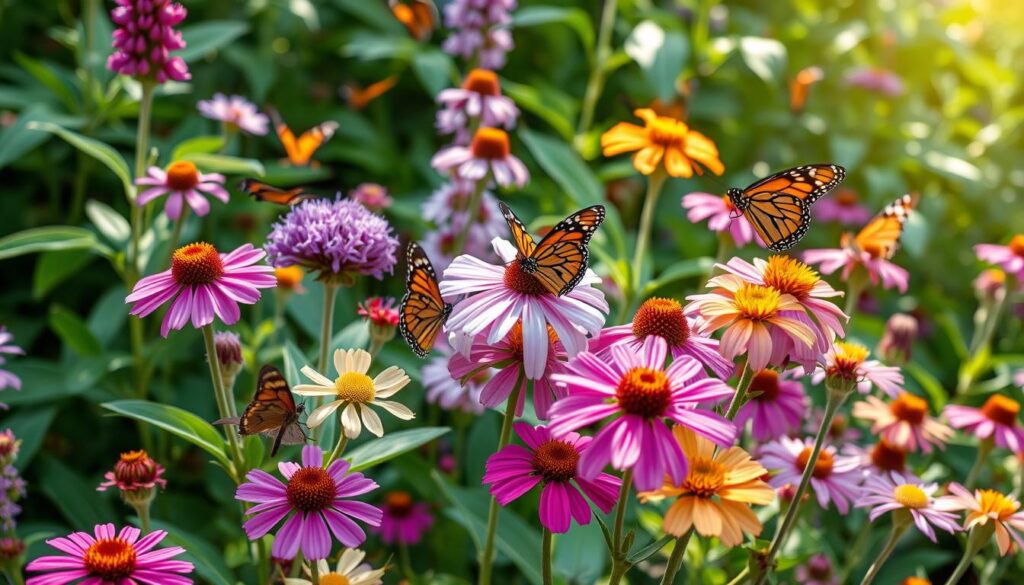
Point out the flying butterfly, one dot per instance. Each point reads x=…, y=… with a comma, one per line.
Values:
x=300, y=150
x=359, y=97
x=418, y=17
x=560, y=260
x=272, y=412
x=881, y=236
x=423, y=311
x=779, y=206
x=263, y=192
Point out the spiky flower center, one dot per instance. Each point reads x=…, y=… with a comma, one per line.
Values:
x=910, y=496
x=644, y=392
x=490, y=144
x=667, y=131
x=822, y=467
x=483, y=82
x=515, y=339
x=354, y=387
x=888, y=457
x=333, y=578
x=556, y=460
x=663, y=318
x=1001, y=409
x=196, y=264
x=992, y=503
x=111, y=559
x=398, y=504
x=846, y=198
x=909, y=408
x=182, y=176
x=311, y=489
x=847, y=361
x=766, y=384
x=1017, y=245
x=521, y=281
x=289, y=277
x=705, y=477
x=790, y=276
x=756, y=302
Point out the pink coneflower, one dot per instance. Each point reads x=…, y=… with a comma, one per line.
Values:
x=879, y=268
x=1009, y=257
x=847, y=364
x=182, y=182
x=554, y=463
x=235, y=112
x=778, y=407
x=721, y=215
x=816, y=571
x=638, y=393
x=898, y=491
x=757, y=319
x=835, y=478
x=877, y=79
x=404, y=521
x=446, y=391
x=372, y=196
x=661, y=321
x=453, y=198
x=318, y=498
x=203, y=283
x=843, y=207
x=111, y=558
x=7, y=379
x=499, y=296
x=996, y=420
x=478, y=98
x=988, y=505
x=904, y=422
x=488, y=154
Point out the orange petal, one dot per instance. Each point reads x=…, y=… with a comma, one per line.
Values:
x=679, y=518
x=677, y=164
x=623, y=137
x=646, y=161
x=707, y=518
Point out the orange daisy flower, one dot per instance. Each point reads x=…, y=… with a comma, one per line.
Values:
x=984, y=506
x=662, y=138
x=716, y=496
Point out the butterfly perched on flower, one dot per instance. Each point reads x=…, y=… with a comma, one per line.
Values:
x=261, y=191
x=272, y=412
x=561, y=258
x=418, y=17
x=779, y=206
x=881, y=236
x=300, y=150
x=423, y=311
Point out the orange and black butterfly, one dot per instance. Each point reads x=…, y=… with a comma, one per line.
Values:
x=263, y=192
x=300, y=150
x=423, y=311
x=272, y=412
x=881, y=236
x=779, y=206
x=561, y=258
x=419, y=17
x=359, y=97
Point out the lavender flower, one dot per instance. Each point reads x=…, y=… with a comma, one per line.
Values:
x=7, y=379
x=144, y=39
x=479, y=99
x=12, y=486
x=337, y=238
x=478, y=30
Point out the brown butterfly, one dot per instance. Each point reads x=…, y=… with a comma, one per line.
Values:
x=272, y=412
x=359, y=97
x=261, y=191
x=418, y=17
x=300, y=150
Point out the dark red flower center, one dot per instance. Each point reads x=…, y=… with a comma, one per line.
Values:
x=663, y=318
x=311, y=489
x=483, y=82
x=398, y=504
x=196, y=264
x=909, y=408
x=767, y=383
x=522, y=281
x=490, y=144
x=846, y=198
x=888, y=457
x=556, y=460
x=1001, y=409
x=644, y=392
x=182, y=176
x=111, y=559
x=822, y=467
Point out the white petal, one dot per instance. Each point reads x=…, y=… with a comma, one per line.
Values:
x=372, y=421
x=316, y=376
x=396, y=408
x=318, y=416
x=350, y=421
x=313, y=390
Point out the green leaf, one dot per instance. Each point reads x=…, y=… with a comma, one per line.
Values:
x=209, y=561
x=30, y=426
x=434, y=68
x=45, y=75
x=575, y=18
x=650, y=550
x=391, y=445
x=222, y=163
x=108, y=315
x=555, y=108
x=355, y=335
x=197, y=145
x=683, y=269
x=76, y=499
x=58, y=237
x=73, y=332
x=765, y=57
x=44, y=382
x=55, y=267
x=294, y=359
x=580, y=554
x=100, y=151
x=206, y=37
x=111, y=224
x=176, y=421
x=566, y=167
x=661, y=54
x=929, y=383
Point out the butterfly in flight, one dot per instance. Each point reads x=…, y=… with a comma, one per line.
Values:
x=272, y=412
x=881, y=236
x=359, y=97
x=779, y=206
x=263, y=192
x=418, y=17
x=423, y=311
x=300, y=150
x=560, y=260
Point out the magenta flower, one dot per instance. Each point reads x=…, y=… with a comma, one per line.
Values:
x=836, y=478
x=372, y=196
x=111, y=558
x=848, y=362
x=404, y=521
x=903, y=422
x=181, y=182
x=7, y=379
x=479, y=98
x=318, y=497
x=144, y=38
x=778, y=408
x=447, y=392
x=636, y=390
x=1009, y=257
x=235, y=111
x=876, y=79
x=996, y=420
x=554, y=463
x=721, y=215
x=203, y=284
x=488, y=155
x=843, y=208
x=898, y=491
x=496, y=297
x=661, y=321
x=846, y=258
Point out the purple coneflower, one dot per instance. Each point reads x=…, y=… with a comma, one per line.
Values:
x=995, y=420
x=904, y=422
x=144, y=38
x=182, y=183
x=404, y=521
x=235, y=112
x=721, y=215
x=488, y=154
x=847, y=363
x=779, y=405
x=134, y=471
x=836, y=478
x=478, y=98
x=1009, y=257
x=373, y=196
x=878, y=268
x=898, y=491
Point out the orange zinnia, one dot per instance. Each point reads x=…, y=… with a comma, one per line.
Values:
x=715, y=498
x=663, y=138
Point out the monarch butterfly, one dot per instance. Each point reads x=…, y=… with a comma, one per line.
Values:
x=779, y=206
x=418, y=17
x=272, y=409
x=423, y=311
x=263, y=192
x=360, y=97
x=300, y=150
x=559, y=261
x=881, y=236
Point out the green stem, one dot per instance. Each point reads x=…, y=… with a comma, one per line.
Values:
x=856, y=551
x=545, y=557
x=314, y=571
x=406, y=562
x=141, y=147
x=746, y=377
x=899, y=526
x=339, y=447
x=176, y=232
x=595, y=83
x=143, y=511
x=741, y=577
x=619, y=564
x=979, y=535
x=326, y=333
x=223, y=405
x=984, y=448
x=654, y=186
x=675, y=560
x=90, y=9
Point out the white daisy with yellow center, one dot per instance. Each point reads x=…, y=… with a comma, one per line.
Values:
x=350, y=570
x=355, y=391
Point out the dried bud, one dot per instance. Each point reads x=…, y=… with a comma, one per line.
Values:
x=137, y=475
x=373, y=196
x=229, y=355
x=898, y=339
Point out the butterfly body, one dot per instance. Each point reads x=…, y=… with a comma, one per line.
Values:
x=880, y=237
x=272, y=412
x=423, y=311
x=263, y=192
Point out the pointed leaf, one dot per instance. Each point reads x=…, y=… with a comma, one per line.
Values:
x=176, y=421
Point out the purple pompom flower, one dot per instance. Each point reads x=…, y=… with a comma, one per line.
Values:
x=144, y=39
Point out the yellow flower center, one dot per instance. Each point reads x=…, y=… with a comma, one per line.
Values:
x=667, y=131
x=909, y=408
x=822, y=467
x=1017, y=244
x=556, y=461
x=644, y=392
x=910, y=496
x=705, y=477
x=182, y=176
x=790, y=276
x=757, y=303
x=111, y=559
x=663, y=318
x=490, y=144
x=483, y=82
x=289, y=277
x=333, y=578
x=915, y=581
x=766, y=383
x=992, y=502
x=888, y=457
x=311, y=489
x=196, y=264
x=1001, y=409
x=354, y=387
x=849, y=357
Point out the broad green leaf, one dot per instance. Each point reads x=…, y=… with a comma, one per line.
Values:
x=43, y=382
x=566, y=167
x=208, y=560
x=936, y=393
x=765, y=57
x=294, y=360
x=576, y=18
x=206, y=37
x=57, y=237
x=391, y=445
x=222, y=163
x=197, y=145
x=580, y=554
x=355, y=335
x=98, y=150
x=434, y=69
x=55, y=267
x=111, y=224
x=75, y=497
x=108, y=315
x=73, y=331
x=45, y=75
x=375, y=14
x=650, y=550
x=367, y=46
x=176, y=421
x=555, y=108
x=30, y=426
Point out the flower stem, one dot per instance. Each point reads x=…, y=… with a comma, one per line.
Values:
x=655, y=183
x=854, y=288
x=223, y=402
x=141, y=147
x=545, y=557
x=898, y=528
x=143, y=511
x=676, y=559
x=487, y=556
x=406, y=562
x=595, y=83
x=619, y=564
x=326, y=333
x=176, y=232
x=742, y=385
x=740, y=577
x=984, y=448
x=979, y=535
x=314, y=571
x=339, y=447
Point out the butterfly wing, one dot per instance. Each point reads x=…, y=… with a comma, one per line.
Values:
x=881, y=235
x=520, y=235
x=562, y=256
x=418, y=17
x=423, y=311
x=263, y=192
x=360, y=97
x=272, y=406
x=310, y=141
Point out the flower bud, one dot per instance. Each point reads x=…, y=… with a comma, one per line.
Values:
x=229, y=355
x=383, y=318
x=373, y=196
x=11, y=551
x=9, y=446
x=898, y=339
x=289, y=279
x=137, y=475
